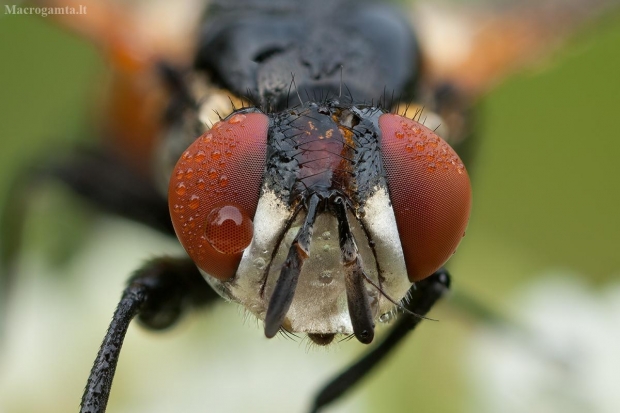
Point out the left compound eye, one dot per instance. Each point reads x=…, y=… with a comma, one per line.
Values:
x=214, y=191
x=430, y=193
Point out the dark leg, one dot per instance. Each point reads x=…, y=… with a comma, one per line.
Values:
x=423, y=297
x=111, y=185
x=158, y=294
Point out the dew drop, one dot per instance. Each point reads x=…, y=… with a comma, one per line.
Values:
x=238, y=118
x=384, y=318
x=399, y=135
x=207, y=138
x=200, y=183
x=227, y=152
x=326, y=277
x=200, y=156
x=212, y=173
x=216, y=154
x=180, y=188
x=431, y=166
x=187, y=156
x=228, y=229
x=259, y=263
x=179, y=173
x=223, y=181
x=194, y=201
x=177, y=208
x=189, y=173
x=409, y=147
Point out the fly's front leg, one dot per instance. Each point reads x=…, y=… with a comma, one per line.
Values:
x=424, y=294
x=158, y=294
x=107, y=182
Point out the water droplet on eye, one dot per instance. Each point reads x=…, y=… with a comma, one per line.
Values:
x=207, y=138
x=212, y=173
x=399, y=135
x=200, y=183
x=216, y=154
x=194, y=201
x=223, y=181
x=409, y=147
x=179, y=173
x=228, y=229
x=180, y=188
x=189, y=173
x=431, y=167
x=239, y=117
x=177, y=208
x=227, y=152
x=187, y=155
x=200, y=156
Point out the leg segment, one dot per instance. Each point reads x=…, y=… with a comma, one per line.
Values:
x=108, y=183
x=158, y=294
x=423, y=296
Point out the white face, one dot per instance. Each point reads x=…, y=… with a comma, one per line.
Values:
x=320, y=302
x=348, y=250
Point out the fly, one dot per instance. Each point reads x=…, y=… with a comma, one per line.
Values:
x=252, y=197
x=319, y=203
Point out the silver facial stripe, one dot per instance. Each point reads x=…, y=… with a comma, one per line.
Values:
x=380, y=222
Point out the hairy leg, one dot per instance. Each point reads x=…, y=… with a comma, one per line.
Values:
x=158, y=293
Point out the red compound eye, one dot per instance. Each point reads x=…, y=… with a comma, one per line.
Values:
x=430, y=193
x=214, y=191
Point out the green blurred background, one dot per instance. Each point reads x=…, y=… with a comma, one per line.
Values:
x=546, y=198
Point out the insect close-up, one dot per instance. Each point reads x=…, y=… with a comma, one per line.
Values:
x=274, y=190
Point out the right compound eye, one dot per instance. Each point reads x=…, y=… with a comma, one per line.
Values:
x=214, y=191
x=430, y=193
